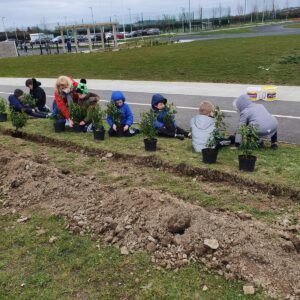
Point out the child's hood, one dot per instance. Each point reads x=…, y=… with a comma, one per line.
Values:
x=156, y=99
x=242, y=102
x=117, y=95
x=203, y=122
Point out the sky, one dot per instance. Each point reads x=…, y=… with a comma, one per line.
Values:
x=23, y=13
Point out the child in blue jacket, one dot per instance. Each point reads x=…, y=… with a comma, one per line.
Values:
x=126, y=115
x=167, y=130
x=16, y=104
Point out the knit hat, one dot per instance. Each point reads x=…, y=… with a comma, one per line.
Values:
x=82, y=88
x=18, y=93
x=117, y=95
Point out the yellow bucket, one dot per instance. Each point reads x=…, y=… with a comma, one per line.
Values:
x=254, y=92
x=270, y=93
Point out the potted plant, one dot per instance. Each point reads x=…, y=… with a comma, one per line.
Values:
x=148, y=130
x=210, y=153
x=170, y=115
x=250, y=142
x=96, y=115
x=59, y=123
x=114, y=113
x=77, y=114
x=19, y=120
x=3, y=110
x=28, y=100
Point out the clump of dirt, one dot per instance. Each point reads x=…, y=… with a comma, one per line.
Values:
x=172, y=231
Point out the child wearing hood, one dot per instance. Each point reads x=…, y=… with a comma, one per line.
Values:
x=38, y=94
x=118, y=99
x=159, y=107
x=258, y=116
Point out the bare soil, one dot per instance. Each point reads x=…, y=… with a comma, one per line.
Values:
x=172, y=231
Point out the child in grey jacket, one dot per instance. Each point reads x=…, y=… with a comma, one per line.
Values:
x=258, y=116
x=202, y=126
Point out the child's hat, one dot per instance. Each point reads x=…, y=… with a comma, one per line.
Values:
x=82, y=87
x=117, y=95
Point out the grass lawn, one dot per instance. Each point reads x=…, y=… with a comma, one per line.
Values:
x=74, y=267
x=281, y=167
x=297, y=25
x=228, y=60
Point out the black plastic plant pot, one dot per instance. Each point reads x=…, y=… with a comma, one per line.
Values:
x=150, y=144
x=78, y=128
x=59, y=125
x=247, y=163
x=99, y=134
x=120, y=131
x=209, y=155
x=3, y=117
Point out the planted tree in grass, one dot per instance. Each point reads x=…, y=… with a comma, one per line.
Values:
x=3, y=110
x=148, y=130
x=114, y=113
x=250, y=142
x=96, y=114
x=77, y=114
x=19, y=120
x=210, y=153
x=28, y=100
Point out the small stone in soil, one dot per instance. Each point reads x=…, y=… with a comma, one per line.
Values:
x=211, y=243
x=124, y=251
x=249, y=289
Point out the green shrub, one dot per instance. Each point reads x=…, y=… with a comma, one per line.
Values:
x=147, y=125
x=77, y=112
x=18, y=119
x=28, y=100
x=96, y=115
x=114, y=113
x=250, y=139
x=3, y=106
x=220, y=129
x=170, y=115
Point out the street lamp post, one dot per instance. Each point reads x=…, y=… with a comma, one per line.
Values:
x=245, y=10
x=190, y=22
x=129, y=9
x=4, y=28
x=183, y=19
x=91, y=8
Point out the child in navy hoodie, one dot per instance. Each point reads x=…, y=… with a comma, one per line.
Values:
x=126, y=115
x=167, y=130
x=16, y=104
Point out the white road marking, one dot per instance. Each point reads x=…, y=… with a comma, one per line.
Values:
x=184, y=107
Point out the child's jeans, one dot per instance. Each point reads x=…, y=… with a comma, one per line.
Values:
x=171, y=131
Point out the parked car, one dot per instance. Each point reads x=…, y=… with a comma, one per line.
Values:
x=58, y=39
x=153, y=31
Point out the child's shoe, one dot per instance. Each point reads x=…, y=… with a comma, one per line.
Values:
x=179, y=136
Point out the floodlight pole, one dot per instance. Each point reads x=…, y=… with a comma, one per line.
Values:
x=129, y=9
x=91, y=8
x=4, y=28
x=190, y=22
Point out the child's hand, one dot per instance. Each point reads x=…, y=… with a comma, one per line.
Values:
x=82, y=123
x=71, y=123
x=126, y=127
x=114, y=127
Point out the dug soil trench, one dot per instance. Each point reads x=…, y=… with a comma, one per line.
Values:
x=172, y=231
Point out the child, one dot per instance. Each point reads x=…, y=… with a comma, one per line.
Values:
x=64, y=94
x=16, y=104
x=87, y=99
x=258, y=116
x=37, y=93
x=167, y=130
x=202, y=126
x=126, y=115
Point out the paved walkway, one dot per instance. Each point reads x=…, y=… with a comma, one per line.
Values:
x=285, y=93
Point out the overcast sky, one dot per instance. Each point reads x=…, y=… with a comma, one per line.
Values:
x=31, y=12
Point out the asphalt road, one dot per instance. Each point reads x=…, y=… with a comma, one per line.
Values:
x=268, y=30
x=287, y=113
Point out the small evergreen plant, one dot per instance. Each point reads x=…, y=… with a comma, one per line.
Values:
x=114, y=113
x=18, y=119
x=147, y=125
x=250, y=139
x=3, y=106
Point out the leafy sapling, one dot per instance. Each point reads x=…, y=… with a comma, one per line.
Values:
x=114, y=113
x=28, y=100
x=18, y=119
x=3, y=106
x=250, y=139
x=147, y=125
x=170, y=115
x=96, y=114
